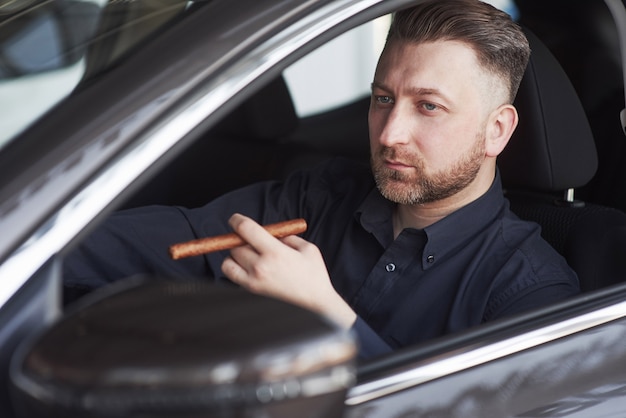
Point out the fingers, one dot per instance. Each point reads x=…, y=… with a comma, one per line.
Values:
x=299, y=244
x=252, y=232
x=259, y=264
x=248, y=269
x=233, y=270
x=244, y=262
x=236, y=273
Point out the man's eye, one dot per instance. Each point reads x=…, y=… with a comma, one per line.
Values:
x=429, y=106
x=384, y=100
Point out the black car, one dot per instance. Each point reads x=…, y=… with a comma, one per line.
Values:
x=111, y=104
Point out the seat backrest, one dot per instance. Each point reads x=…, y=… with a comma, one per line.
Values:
x=550, y=155
x=244, y=147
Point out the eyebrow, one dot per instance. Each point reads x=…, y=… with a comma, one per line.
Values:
x=377, y=85
x=416, y=91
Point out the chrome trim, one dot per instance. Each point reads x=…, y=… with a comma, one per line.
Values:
x=64, y=225
x=471, y=356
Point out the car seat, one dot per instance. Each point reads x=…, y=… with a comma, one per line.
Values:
x=551, y=153
x=248, y=145
x=585, y=41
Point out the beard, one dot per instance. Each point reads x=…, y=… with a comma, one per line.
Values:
x=418, y=187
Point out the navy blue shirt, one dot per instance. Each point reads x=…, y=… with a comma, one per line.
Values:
x=478, y=264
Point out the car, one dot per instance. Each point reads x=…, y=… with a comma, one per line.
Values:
x=111, y=104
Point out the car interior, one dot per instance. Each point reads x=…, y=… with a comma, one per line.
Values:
x=562, y=169
x=546, y=168
x=585, y=42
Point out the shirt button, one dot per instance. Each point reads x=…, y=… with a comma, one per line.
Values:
x=430, y=259
x=390, y=267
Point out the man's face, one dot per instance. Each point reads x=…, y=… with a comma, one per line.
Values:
x=427, y=120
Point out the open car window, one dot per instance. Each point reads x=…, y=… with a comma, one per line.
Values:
x=266, y=137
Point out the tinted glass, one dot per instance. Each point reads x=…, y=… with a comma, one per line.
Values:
x=47, y=48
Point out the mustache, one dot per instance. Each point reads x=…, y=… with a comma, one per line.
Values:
x=399, y=155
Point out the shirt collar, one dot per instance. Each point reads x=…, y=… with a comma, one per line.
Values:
x=461, y=226
x=375, y=215
x=446, y=235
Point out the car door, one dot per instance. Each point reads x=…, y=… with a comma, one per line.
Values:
x=570, y=365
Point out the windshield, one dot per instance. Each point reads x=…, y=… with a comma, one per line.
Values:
x=47, y=48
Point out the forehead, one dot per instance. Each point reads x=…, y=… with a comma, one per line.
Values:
x=448, y=67
x=428, y=57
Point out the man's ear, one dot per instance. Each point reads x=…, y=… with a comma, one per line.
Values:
x=500, y=126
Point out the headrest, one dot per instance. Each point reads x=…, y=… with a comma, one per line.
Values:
x=269, y=115
x=552, y=148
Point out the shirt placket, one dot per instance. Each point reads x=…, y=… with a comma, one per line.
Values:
x=389, y=268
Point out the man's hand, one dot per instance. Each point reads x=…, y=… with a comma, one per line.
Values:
x=291, y=269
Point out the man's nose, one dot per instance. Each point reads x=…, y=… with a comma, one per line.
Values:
x=396, y=129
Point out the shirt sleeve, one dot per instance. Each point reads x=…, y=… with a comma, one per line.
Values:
x=136, y=241
x=538, y=296
x=130, y=243
x=370, y=343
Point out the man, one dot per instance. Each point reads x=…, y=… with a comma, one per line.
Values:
x=426, y=247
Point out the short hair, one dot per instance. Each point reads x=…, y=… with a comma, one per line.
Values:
x=500, y=44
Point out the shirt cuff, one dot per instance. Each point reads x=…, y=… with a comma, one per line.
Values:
x=370, y=343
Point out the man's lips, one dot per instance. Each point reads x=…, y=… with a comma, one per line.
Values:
x=397, y=165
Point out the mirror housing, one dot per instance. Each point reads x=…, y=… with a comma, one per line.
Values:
x=156, y=347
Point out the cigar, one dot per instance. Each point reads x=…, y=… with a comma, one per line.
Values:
x=232, y=240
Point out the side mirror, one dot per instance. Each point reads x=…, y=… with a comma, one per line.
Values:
x=154, y=347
